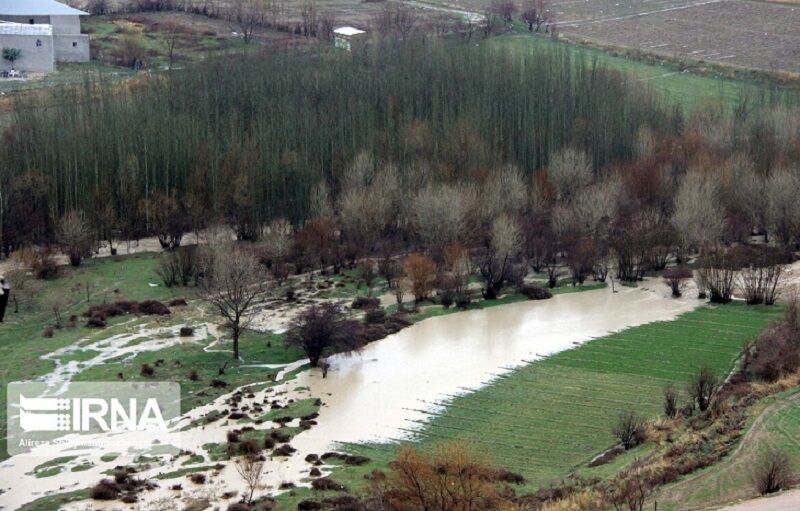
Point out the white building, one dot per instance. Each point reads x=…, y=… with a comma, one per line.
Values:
x=344, y=36
x=45, y=32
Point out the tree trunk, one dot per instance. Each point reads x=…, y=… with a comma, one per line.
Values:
x=236, y=332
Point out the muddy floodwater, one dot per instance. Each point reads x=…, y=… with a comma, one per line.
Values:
x=378, y=395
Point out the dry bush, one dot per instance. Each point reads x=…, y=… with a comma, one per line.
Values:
x=629, y=429
x=772, y=473
x=670, y=402
x=420, y=270
x=452, y=477
x=776, y=352
x=676, y=278
x=702, y=387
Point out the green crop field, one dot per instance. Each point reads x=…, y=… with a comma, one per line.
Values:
x=673, y=83
x=552, y=417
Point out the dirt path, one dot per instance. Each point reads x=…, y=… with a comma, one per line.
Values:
x=786, y=501
x=709, y=485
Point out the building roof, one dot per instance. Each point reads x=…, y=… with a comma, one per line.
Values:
x=37, y=8
x=25, y=29
x=340, y=31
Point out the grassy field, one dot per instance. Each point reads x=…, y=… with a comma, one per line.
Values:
x=673, y=83
x=550, y=418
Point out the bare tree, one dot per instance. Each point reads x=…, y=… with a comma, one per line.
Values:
x=702, y=388
x=248, y=15
x=233, y=287
x=630, y=492
x=496, y=262
x=698, y=216
x=322, y=329
x=396, y=20
x=250, y=469
x=772, y=473
x=441, y=213
x=676, y=278
x=670, y=401
x=569, y=171
x=761, y=272
x=75, y=237
x=173, y=32
x=535, y=14
x=783, y=208
x=629, y=429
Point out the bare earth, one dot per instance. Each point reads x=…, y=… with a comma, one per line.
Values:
x=786, y=501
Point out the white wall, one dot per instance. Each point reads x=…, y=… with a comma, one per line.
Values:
x=35, y=59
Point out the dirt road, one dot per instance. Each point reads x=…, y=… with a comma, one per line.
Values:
x=786, y=501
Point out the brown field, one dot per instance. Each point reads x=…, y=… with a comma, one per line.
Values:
x=752, y=34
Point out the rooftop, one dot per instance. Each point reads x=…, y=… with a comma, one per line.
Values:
x=37, y=8
x=7, y=28
x=340, y=31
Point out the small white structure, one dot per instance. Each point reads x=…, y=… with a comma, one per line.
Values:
x=45, y=32
x=344, y=36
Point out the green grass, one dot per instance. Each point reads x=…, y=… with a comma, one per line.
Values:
x=551, y=417
x=55, y=502
x=675, y=84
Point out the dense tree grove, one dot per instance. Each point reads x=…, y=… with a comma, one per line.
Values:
x=477, y=161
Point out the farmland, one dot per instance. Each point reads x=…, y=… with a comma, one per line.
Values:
x=673, y=83
x=553, y=416
x=718, y=32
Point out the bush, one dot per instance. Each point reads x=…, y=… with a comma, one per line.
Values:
x=249, y=447
x=670, y=402
x=193, y=376
x=629, y=429
x=48, y=332
x=308, y=505
x=239, y=506
x=147, y=370
x=772, y=473
x=187, y=331
x=44, y=263
x=198, y=478
x=105, y=490
x=535, y=292
x=363, y=302
x=177, y=302
x=232, y=436
x=153, y=308
x=96, y=321
x=375, y=316
x=326, y=484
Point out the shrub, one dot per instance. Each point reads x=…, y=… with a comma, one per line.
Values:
x=629, y=429
x=375, y=316
x=364, y=302
x=239, y=506
x=106, y=489
x=670, y=402
x=249, y=447
x=535, y=292
x=772, y=473
x=147, y=370
x=177, y=302
x=702, y=388
x=308, y=505
x=326, y=484
x=675, y=278
x=44, y=263
x=216, y=383
x=193, y=376
x=187, y=331
x=48, y=332
x=96, y=321
x=198, y=478
x=284, y=450
x=153, y=308
x=232, y=436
